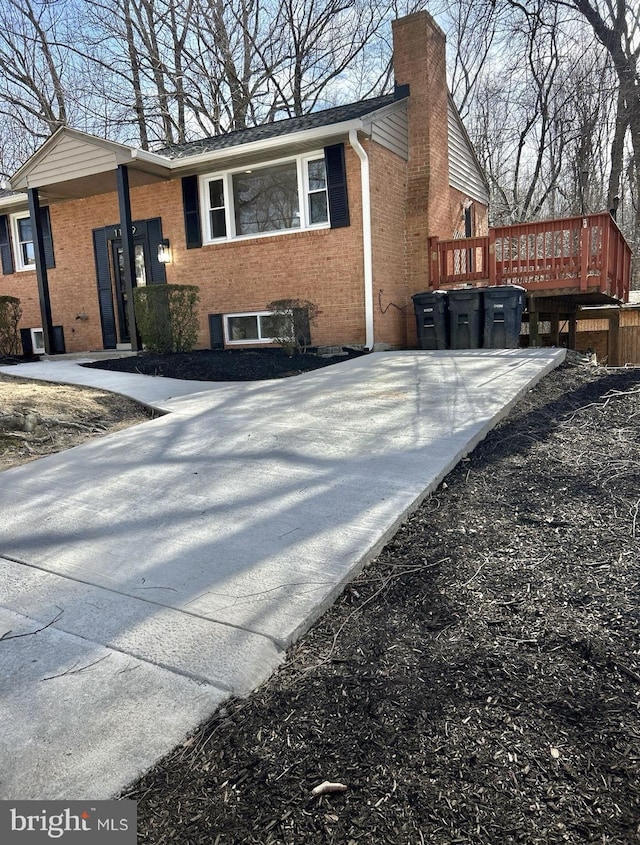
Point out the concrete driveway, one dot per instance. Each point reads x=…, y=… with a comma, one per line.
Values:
x=148, y=575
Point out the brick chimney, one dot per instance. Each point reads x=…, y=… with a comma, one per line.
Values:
x=419, y=60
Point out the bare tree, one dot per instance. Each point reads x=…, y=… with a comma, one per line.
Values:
x=616, y=24
x=34, y=79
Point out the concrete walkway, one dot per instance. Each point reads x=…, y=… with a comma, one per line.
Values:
x=148, y=575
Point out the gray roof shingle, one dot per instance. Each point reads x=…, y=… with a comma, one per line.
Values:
x=327, y=117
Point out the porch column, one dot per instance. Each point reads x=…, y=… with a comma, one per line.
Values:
x=128, y=255
x=42, y=276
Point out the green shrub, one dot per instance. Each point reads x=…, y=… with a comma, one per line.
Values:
x=289, y=323
x=167, y=317
x=10, y=313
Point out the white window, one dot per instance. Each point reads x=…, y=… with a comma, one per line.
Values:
x=316, y=188
x=282, y=196
x=37, y=341
x=23, y=242
x=217, y=213
x=251, y=327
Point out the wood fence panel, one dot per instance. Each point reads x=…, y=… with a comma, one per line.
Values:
x=629, y=345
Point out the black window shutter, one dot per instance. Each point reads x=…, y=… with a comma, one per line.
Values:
x=337, y=186
x=154, y=233
x=6, y=256
x=47, y=237
x=191, y=206
x=27, y=342
x=216, y=333
x=58, y=340
x=105, y=299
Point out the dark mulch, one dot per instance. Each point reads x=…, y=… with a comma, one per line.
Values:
x=478, y=683
x=222, y=365
x=12, y=360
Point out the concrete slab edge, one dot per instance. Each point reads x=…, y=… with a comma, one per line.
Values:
x=388, y=534
x=245, y=682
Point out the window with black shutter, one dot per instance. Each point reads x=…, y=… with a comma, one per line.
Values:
x=6, y=256
x=191, y=206
x=47, y=237
x=216, y=331
x=337, y=186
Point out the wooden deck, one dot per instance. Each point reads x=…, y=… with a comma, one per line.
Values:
x=572, y=256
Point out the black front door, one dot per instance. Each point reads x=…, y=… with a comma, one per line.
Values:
x=112, y=297
x=141, y=257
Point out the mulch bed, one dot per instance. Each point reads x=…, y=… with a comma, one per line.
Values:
x=13, y=360
x=222, y=365
x=478, y=683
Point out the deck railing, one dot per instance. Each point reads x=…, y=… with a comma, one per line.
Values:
x=576, y=254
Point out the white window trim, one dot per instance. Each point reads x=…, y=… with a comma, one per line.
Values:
x=227, y=185
x=38, y=350
x=15, y=237
x=245, y=342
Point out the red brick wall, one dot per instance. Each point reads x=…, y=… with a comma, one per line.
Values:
x=419, y=60
x=388, y=186
x=23, y=286
x=72, y=283
x=324, y=266
x=433, y=208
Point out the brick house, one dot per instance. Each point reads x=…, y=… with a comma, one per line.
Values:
x=335, y=207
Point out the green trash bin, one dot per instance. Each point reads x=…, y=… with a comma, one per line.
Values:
x=465, y=311
x=503, y=307
x=431, y=319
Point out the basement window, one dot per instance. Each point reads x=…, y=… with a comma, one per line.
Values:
x=37, y=341
x=250, y=327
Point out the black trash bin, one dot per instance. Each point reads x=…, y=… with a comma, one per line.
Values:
x=465, y=311
x=503, y=307
x=431, y=319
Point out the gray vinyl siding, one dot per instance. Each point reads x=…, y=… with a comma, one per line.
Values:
x=464, y=171
x=391, y=131
x=71, y=155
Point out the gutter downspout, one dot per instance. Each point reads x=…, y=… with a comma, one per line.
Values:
x=367, y=247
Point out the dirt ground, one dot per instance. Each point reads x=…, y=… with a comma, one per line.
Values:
x=38, y=418
x=478, y=684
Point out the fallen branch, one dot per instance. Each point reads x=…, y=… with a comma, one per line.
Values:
x=70, y=424
x=611, y=394
x=74, y=671
x=23, y=435
x=6, y=636
x=385, y=584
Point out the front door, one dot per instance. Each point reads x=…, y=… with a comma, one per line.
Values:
x=112, y=297
x=141, y=258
